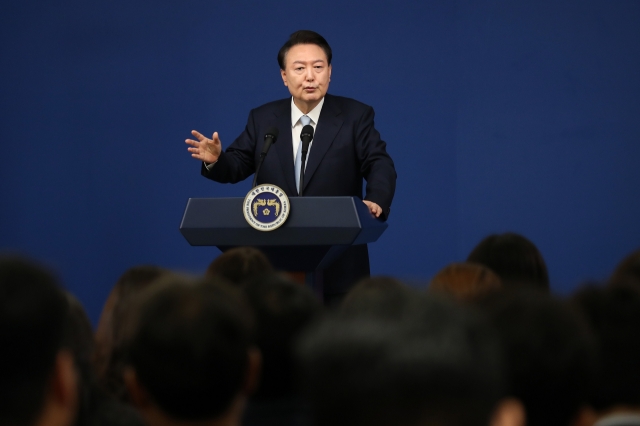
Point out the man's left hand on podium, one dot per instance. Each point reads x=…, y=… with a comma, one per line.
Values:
x=375, y=209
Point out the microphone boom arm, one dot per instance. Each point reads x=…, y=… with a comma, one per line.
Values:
x=269, y=139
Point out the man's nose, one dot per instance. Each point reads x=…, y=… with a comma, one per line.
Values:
x=309, y=75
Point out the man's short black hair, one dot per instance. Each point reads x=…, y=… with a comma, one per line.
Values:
x=95, y=407
x=379, y=297
x=549, y=353
x=614, y=316
x=114, y=324
x=283, y=309
x=443, y=366
x=240, y=264
x=303, y=37
x=190, y=346
x=33, y=313
x=515, y=259
x=628, y=271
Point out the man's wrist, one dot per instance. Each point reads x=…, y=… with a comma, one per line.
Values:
x=209, y=166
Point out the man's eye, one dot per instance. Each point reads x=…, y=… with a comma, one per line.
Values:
x=299, y=69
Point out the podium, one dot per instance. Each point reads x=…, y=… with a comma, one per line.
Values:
x=316, y=232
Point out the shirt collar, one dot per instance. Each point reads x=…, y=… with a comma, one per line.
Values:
x=314, y=114
x=619, y=419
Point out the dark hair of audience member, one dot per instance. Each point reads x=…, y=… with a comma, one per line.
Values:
x=282, y=310
x=95, y=406
x=441, y=366
x=240, y=264
x=33, y=311
x=303, y=37
x=515, y=259
x=78, y=338
x=190, y=346
x=550, y=354
x=614, y=316
x=380, y=296
x=628, y=271
x=465, y=281
x=109, y=350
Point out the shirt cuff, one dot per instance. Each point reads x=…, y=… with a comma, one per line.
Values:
x=209, y=166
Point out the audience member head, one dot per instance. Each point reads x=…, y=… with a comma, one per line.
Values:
x=191, y=357
x=37, y=375
x=515, y=259
x=109, y=350
x=79, y=341
x=95, y=407
x=614, y=316
x=304, y=37
x=550, y=354
x=441, y=366
x=78, y=336
x=382, y=297
x=465, y=281
x=240, y=264
x=628, y=271
x=282, y=310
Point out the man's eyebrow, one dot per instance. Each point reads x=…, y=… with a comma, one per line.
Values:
x=312, y=62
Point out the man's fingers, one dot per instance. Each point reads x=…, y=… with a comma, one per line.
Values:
x=198, y=135
x=204, y=149
x=373, y=208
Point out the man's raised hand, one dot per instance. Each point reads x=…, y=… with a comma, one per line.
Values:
x=205, y=149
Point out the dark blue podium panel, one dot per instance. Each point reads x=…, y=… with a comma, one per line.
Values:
x=313, y=221
x=317, y=231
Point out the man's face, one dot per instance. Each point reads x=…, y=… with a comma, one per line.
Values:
x=307, y=75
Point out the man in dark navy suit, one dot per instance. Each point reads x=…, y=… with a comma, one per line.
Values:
x=346, y=147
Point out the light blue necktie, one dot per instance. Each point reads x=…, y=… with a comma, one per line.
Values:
x=298, y=164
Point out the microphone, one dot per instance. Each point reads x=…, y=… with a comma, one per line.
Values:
x=306, y=136
x=270, y=138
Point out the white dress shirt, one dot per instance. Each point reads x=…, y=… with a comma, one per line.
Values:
x=619, y=419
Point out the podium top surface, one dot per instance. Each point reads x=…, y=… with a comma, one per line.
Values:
x=312, y=221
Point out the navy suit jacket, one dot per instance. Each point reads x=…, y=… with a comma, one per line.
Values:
x=346, y=149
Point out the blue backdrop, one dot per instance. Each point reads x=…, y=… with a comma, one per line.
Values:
x=500, y=115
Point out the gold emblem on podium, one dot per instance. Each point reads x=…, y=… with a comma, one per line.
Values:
x=266, y=207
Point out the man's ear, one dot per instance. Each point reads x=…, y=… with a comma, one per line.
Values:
x=509, y=412
x=61, y=398
x=329, y=72
x=137, y=393
x=283, y=74
x=254, y=369
x=586, y=417
x=64, y=384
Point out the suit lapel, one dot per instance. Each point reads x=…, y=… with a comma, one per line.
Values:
x=327, y=128
x=284, y=148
